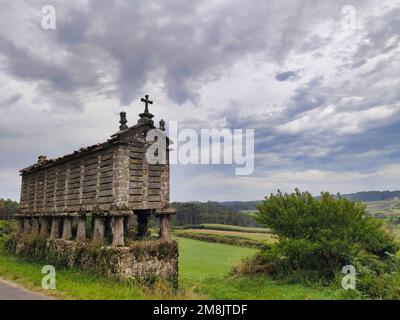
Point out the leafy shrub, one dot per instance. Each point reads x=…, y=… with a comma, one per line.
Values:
x=7, y=229
x=317, y=237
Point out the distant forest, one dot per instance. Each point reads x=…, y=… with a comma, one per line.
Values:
x=227, y=212
x=8, y=208
x=372, y=195
x=191, y=213
x=363, y=196
x=233, y=212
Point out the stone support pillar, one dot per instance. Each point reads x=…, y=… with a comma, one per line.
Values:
x=20, y=225
x=55, y=228
x=67, y=228
x=118, y=232
x=44, y=226
x=98, y=230
x=165, y=222
x=165, y=226
x=81, y=231
x=35, y=226
x=27, y=225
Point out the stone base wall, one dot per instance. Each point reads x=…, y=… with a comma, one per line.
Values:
x=146, y=260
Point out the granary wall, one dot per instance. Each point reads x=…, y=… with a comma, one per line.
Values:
x=84, y=183
x=113, y=181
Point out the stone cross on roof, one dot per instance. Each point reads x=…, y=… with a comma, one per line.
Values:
x=146, y=103
x=146, y=116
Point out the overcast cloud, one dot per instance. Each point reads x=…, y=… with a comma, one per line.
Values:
x=324, y=100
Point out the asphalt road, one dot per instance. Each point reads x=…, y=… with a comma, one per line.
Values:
x=11, y=291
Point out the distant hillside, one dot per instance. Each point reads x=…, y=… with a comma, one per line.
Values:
x=364, y=196
x=372, y=195
x=239, y=205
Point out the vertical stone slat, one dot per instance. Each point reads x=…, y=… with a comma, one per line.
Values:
x=35, y=194
x=121, y=177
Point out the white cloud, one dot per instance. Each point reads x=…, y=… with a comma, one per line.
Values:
x=333, y=114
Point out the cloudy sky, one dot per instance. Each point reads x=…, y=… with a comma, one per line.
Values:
x=322, y=93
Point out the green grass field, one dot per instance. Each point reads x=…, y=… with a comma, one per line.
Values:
x=203, y=274
x=389, y=208
x=205, y=267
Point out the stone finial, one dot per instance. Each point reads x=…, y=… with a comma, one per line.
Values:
x=42, y=158
x=123, y=121
x=162, y=125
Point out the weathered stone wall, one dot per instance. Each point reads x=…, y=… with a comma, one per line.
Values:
x=147, y=260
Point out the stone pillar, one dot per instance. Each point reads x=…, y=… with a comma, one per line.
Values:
x=165, y=226
x=27, y=225
x=118, y=232
x=143, y=220
x=44, y=226
x=81, y=231
x=98, y=230
x=55, y=228
x=20, y=225
x=35, y=226
x=126, y=227
x=67, y=228
x=165, y=222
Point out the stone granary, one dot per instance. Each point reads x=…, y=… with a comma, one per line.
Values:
x=90, y=194
x=109, y=181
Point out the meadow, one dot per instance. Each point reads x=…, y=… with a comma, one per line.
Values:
x=384, y=208
x=204, y=273
x=205, y=268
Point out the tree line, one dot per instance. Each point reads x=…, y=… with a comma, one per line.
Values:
x=191, y=213
x=7, y=208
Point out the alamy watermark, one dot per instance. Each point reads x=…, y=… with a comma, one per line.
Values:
x=49, y=280
x=49, y=18
x=349, y=19
x=349, y=280
x=203, y=147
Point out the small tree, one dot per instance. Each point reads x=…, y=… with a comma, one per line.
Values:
x=8, y=208
x=319, y=236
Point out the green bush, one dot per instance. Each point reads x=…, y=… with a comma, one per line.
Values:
x=317, y=237
x=7, y=229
